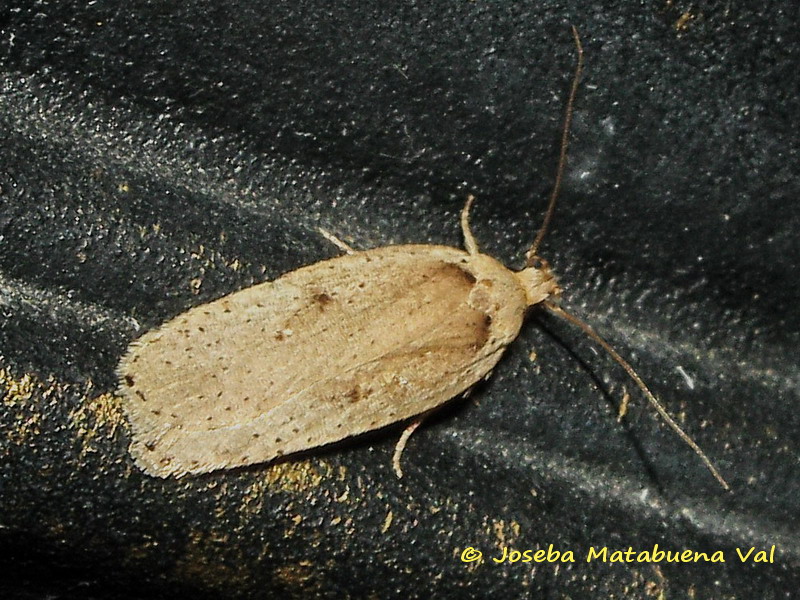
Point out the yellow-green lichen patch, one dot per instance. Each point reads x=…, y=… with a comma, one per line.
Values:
x=96, y=418
x=22, y=406
x=297, y=476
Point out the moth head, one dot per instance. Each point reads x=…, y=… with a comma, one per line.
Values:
x=538, y=281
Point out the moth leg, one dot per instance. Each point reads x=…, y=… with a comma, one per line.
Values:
x=469, y=240
x=335, y=241
x=401, y=444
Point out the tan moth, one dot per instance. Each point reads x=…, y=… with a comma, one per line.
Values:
x=335, y=349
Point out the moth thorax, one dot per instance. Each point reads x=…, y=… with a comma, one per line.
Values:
x=539, y=283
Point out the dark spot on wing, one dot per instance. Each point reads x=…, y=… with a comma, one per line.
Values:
x=466, y=276
x=482, y=331
x=322, y=299
x=129, y=380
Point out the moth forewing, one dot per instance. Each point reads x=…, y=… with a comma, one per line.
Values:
x=325, y=352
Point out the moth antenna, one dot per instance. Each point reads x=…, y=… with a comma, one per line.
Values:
x=587, y=329
x=530, y=255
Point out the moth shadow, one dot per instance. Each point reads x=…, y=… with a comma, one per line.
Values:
x=546, y=324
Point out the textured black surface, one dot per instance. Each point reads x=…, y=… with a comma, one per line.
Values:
x=156, y=155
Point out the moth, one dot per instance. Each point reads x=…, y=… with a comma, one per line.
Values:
x=335, y=349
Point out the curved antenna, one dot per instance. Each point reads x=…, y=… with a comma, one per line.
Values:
x=557, y=310
x=530, y=255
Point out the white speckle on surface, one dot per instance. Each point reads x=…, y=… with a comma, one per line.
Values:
x=689, y=381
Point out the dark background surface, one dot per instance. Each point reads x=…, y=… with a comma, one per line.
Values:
x=156, y=156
